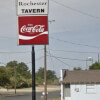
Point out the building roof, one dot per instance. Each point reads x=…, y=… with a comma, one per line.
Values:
x=82, y=76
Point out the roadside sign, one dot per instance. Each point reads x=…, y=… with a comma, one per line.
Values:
x=32, y=30
x=32, y=7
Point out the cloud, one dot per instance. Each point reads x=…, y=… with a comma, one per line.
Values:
x=7, y=7
x=69, y=19
x=69, y=25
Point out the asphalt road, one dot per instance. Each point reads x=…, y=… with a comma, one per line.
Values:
x=28, y=96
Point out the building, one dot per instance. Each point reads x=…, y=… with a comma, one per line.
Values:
x=80, y=85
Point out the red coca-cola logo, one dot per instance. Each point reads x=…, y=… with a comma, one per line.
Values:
x=32, y=29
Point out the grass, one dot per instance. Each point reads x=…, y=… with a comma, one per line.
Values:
x=54, y=99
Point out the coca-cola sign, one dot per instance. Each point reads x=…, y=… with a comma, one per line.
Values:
x=33, y=30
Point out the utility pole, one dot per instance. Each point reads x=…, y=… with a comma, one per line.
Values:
x=86, y=65
x=45, y=74
x=15, y=77
x=45, y=69
x=33, y=74
x=98, y=57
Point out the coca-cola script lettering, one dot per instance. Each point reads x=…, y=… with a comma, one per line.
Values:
x=32, y=29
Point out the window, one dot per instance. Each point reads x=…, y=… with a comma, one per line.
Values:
x=90, y=88
x=67, y=85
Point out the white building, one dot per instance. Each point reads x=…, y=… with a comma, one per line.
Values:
x=80, y=85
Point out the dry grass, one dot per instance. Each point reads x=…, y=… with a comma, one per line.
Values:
x=54, y=99
x=38, y=89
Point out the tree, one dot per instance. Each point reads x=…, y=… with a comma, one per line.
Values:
x=40, y=73
x=4, y=76
x=23, y=75
x=51, y=75
x=77, y=68
x=11, y=64
x=96, y=65
x=22, y=67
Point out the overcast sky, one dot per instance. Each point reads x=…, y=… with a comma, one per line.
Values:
x=76, y=29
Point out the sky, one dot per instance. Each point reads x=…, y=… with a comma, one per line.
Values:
x=73, y=36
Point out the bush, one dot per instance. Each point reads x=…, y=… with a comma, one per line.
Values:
x=4, y=77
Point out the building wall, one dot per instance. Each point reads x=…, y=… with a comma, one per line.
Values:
x=84, y=92
x=62, y=72
x=62, y=91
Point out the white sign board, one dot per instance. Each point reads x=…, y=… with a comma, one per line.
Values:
x=32, y=7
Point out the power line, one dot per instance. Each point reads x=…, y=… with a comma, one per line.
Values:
x=4, y=52
x=72, y=51
x=60, y=60
x=28, y=63
x=74, y=43
x=4, y=37
x=40, y=58
x=36, y=59
x=2, y=63
x=51, y=57
x=15, y=52
x=67, y=58
x=76, y=10
x=70, y=43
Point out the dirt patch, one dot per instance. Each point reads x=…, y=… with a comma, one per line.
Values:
x=11, y=92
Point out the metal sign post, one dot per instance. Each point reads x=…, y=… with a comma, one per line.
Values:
x=33, y=74
x=15, y=77
x=45, y=74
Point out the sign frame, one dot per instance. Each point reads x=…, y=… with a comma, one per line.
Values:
x=42, y=35
x=40, y=7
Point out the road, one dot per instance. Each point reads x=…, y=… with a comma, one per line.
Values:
x=28, y=96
